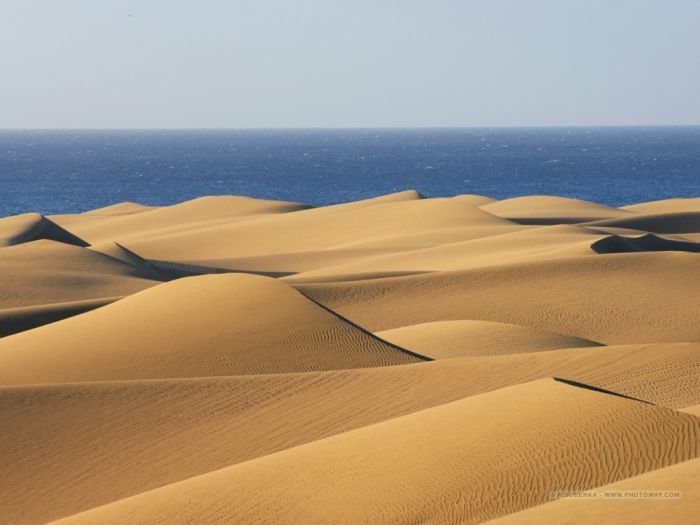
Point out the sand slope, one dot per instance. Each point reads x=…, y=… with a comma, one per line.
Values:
x=45, y=271
x=120, y=208
x=665, y=206
x=404, y=471
x=160, y=432
x=523, y=245
x=615, y=299
x=449, y=339
x=393, y=223
x=624, y=503
x=200, y=326
x=100, y=226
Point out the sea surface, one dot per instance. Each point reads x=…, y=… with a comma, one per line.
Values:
x=72, y=171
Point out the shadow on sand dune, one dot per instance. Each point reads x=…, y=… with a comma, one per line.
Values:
x=644, y=243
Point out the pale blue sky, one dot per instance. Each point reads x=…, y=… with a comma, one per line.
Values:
x=349, y=63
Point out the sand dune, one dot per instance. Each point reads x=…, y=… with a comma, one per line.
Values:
x=394, y=223
x=201, y=326
x=667, y=495
x=615, y=299
x=491, y=457
x=399, y=359
x=476, y=200
x=160, y=432
x=450, y=339
x=665, y=206
x=544, y=209
x=99, y=227
x=32, y=227
x=45, y=272
x=531, y=244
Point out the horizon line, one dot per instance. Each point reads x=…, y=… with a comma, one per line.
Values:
x=341, y=128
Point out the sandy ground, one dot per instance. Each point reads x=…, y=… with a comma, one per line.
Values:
x=392, y=360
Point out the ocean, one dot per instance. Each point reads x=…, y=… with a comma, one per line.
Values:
x=53, y=171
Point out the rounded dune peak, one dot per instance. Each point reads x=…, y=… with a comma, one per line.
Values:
x=210, y=325
x=120, y=208
x=476, y=200
x=234, y=205
x=468, y=338
x=548, y=209
x=399, y=196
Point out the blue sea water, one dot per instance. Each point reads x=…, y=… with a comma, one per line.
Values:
x=71, y=171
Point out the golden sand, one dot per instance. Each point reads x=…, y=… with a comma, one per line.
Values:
x=391, y=360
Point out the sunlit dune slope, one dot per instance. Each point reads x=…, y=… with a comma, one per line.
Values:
x=390, y=223
x=463, y=338
x=496, y=453
x=545, y=209
x=669, y=495
x=611, y=299
x=523, y=245
x=200, y=326
x=140, y=435
x=665, y=206
x=99, y=226
x=120, y=208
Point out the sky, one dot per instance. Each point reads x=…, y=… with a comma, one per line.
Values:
x=348, y=63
